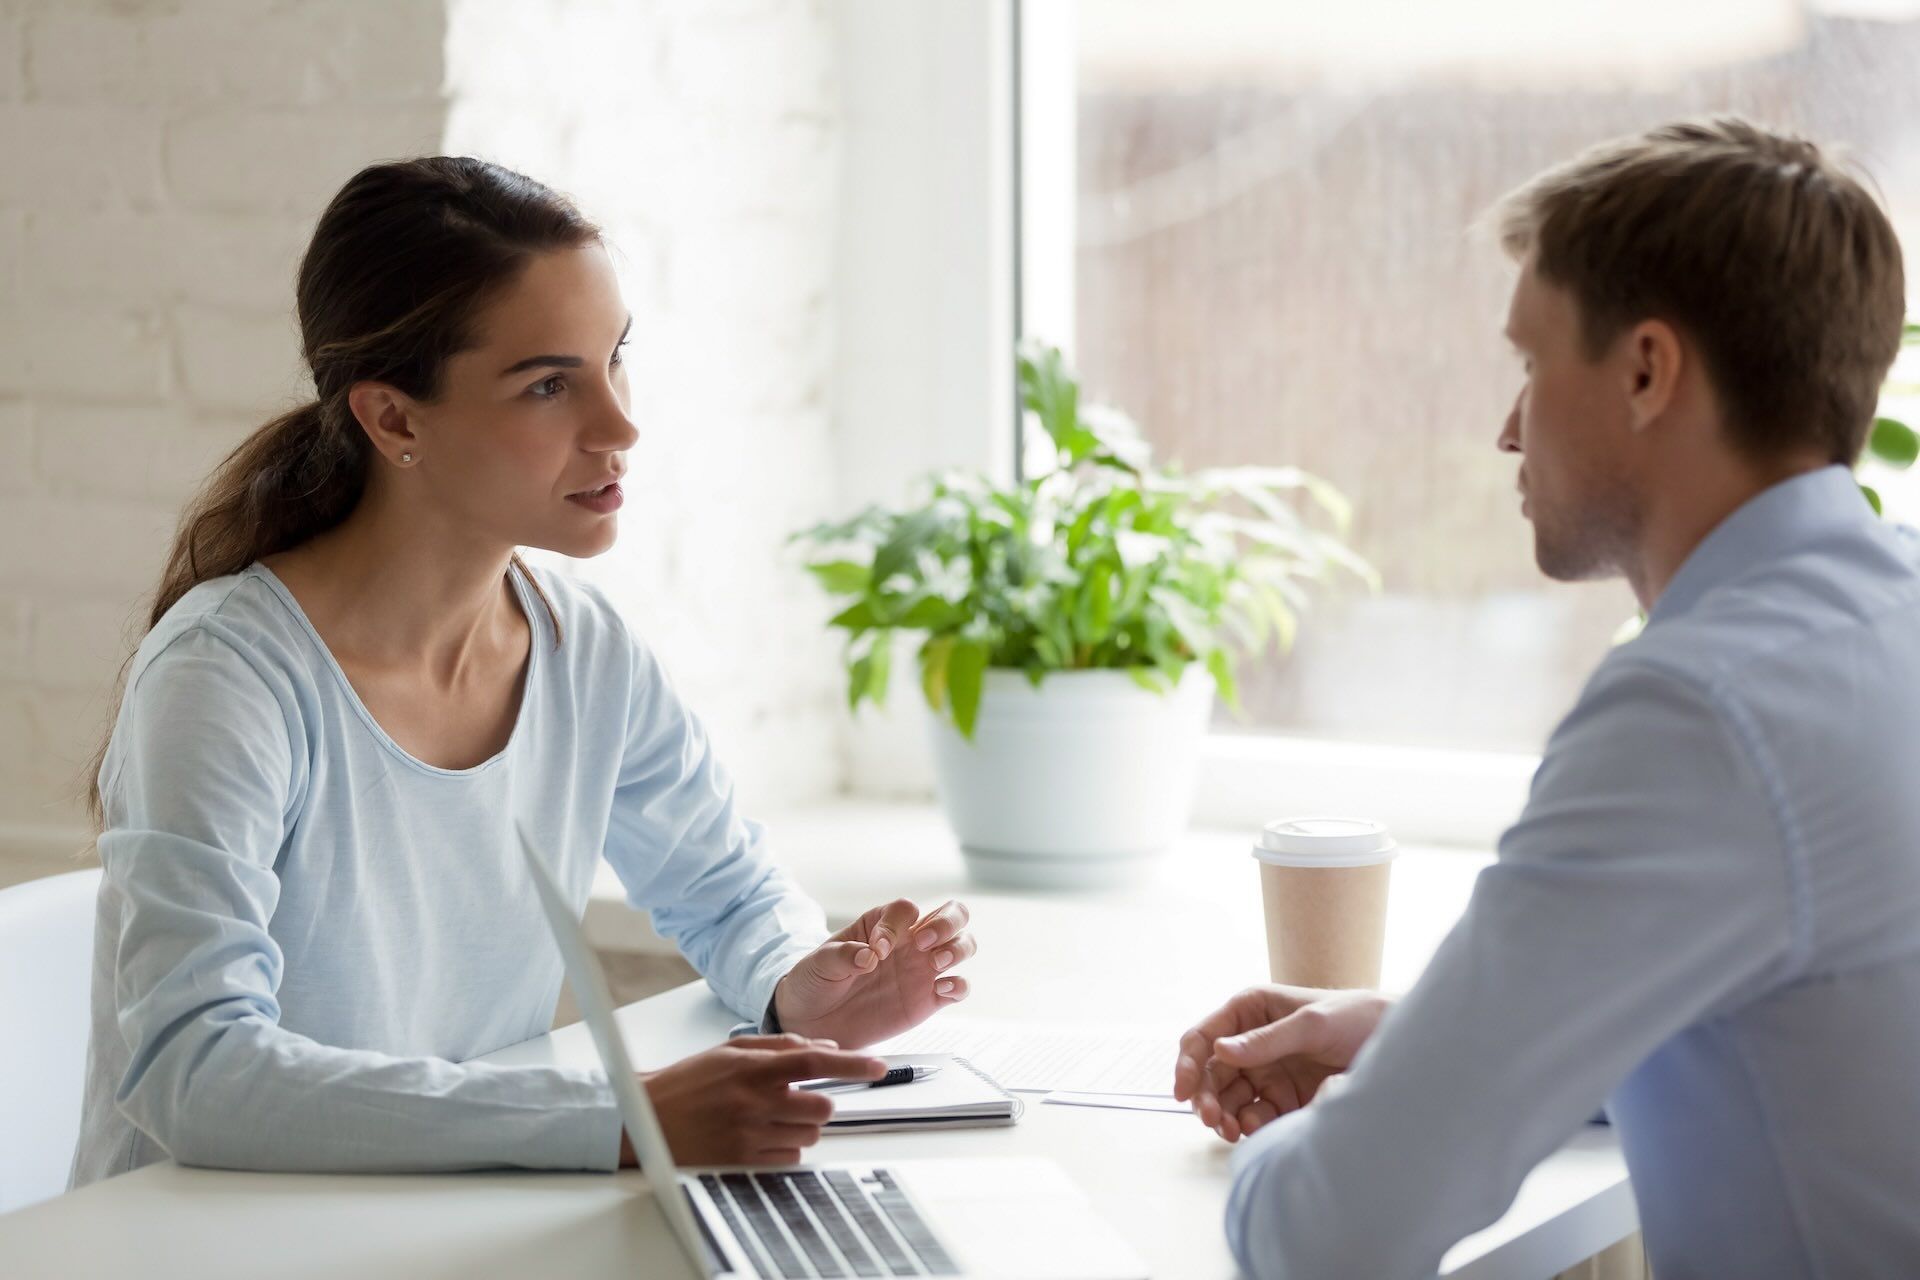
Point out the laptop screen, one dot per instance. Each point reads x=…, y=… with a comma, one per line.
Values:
x=589, y=986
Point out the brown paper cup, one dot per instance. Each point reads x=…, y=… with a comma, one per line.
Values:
x=1323, y=883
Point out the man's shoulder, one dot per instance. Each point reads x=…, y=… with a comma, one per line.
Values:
x=1803, y=609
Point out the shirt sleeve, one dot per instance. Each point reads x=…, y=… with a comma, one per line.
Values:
x=686, y=854
x=1645, y=886
x=197, y=789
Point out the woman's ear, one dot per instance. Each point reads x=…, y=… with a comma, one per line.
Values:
x=385, y=413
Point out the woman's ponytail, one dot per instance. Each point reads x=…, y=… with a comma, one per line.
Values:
x=295, y=477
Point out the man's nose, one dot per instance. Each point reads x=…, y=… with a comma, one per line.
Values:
x=1509, y=441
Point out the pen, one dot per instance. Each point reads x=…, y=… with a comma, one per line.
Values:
x=897, y=1075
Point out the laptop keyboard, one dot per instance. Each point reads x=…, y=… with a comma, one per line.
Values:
x=802, y=1223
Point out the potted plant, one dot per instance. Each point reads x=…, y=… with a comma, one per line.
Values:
x=1075, y=626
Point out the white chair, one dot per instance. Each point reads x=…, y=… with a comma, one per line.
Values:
x=46, y=975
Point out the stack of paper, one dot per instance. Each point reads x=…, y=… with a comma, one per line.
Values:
x=1085, y=1065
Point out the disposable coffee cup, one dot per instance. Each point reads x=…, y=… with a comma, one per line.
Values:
x=1324, y=885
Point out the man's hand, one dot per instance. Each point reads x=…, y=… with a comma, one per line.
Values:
x=885, y=972
x=735, y=1105
x=1268, y=1051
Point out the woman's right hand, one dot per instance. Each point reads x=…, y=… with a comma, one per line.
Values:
x=734, y=1104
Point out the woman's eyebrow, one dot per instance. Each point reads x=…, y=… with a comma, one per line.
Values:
x=556, y=362
x=535, y=362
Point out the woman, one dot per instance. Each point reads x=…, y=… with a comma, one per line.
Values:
x=352, y=689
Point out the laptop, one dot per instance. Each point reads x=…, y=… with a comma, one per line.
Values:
x=1006, y=1216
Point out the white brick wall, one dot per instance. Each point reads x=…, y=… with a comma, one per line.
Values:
x=165, y=164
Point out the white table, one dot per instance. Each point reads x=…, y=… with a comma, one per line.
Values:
x=1163, y=952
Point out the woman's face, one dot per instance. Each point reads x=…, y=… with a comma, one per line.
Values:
x=528, y=437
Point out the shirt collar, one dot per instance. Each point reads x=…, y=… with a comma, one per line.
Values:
x=1768, y=525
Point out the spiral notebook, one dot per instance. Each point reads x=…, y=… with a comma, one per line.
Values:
x=958, y=1096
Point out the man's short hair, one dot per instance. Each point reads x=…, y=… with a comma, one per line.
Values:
x=1771, y=258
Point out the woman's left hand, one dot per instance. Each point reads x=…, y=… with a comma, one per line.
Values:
x=885, y=972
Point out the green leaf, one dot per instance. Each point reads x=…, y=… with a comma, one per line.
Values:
x=966, y=673
x=1119, y=444
x=1187, y=620
x=1077, y=531
x=1093, y=607
x=1133, y=591
x=867, y=675
x=1054, y=396
x=1894, y=443
x=857, y=617
x=1149, y=679
x=1873, y=499
x=1058, y=629
x=841, y=577
x=1119, y=503
x=879, y=666
x=868, y=526
x=1284, y=623
x=1220, y=666
x=909, y=535
x=1050, y=651
x=933, y=670
x=931, y=613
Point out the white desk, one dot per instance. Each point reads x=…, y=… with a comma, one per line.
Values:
x=1164, y=952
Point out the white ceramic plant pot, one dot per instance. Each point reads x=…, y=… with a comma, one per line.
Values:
x=1080, y=782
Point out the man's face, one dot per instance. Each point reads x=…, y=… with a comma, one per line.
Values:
x=1572, y=427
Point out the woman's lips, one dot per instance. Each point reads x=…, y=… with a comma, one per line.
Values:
x=605, y=500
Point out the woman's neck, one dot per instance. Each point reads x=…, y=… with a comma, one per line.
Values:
x=393, y=592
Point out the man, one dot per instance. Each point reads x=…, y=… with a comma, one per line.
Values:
x=1708, y=915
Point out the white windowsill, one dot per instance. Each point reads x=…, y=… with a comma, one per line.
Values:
x=1426, y=796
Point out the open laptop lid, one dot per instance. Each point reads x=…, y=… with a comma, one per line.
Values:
x=589, y=985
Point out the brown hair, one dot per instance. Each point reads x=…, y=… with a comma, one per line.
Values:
x=1770, y=256
x=403, y=259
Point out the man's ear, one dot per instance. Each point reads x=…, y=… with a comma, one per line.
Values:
x=386, y=414
x=1654, y=361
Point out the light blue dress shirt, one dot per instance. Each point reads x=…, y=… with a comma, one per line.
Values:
x=304, y=932
x=1708, y=916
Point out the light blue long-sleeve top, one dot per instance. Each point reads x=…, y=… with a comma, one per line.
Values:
x=1708, y=916
x=304, y=932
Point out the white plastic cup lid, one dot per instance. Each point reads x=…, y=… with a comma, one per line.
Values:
x=1325, y=842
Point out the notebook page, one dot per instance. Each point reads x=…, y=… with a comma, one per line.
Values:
x=955, y=1089
x=1040, y=1058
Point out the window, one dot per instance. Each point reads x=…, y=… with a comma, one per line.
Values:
x=1263, y=256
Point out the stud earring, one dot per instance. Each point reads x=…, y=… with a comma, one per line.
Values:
x=406, y=457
